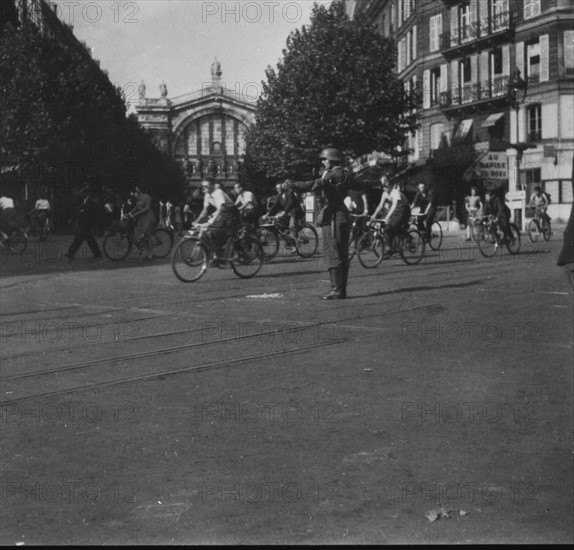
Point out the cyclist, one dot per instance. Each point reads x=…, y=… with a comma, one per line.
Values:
x=356, y=202
x=539, y=201
x=425, y=201
x=288, y=206
x=223, y=222
x=7, y=217
x=385, y=198
x=472, y=205
x=41, y=213
x=495, y=206
x=143, y=215
x=246, y=203
x=399, y=213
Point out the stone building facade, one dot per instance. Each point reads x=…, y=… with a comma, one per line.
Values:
x=203, y=130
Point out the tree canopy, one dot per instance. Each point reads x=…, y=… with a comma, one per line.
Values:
x=65, y=122
x=335, y=86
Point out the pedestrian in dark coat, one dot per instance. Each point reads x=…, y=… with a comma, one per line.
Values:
x=85, y=223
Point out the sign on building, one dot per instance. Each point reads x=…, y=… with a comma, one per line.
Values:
x=493, y=169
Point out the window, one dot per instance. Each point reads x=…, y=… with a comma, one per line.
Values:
x=392, y=22
x=531, y=8
x=533, y=62
x=496, y=61
x=435, y=23
x=435, y=86
x=464, y=21
x=532, y=178
x=534, y=113
x=566, y=192
x=411, y=47
x=384, y=25
x=500, y=15
x=465, y=71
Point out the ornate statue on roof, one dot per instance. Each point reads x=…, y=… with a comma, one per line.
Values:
x=163, y=89
x=216, y=69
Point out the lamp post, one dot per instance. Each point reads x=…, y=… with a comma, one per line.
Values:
x=517, y=87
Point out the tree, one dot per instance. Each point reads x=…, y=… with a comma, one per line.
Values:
x=334, y=86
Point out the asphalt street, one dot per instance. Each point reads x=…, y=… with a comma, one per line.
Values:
x=433, y=405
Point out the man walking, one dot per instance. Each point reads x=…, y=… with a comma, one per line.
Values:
x=84, y=225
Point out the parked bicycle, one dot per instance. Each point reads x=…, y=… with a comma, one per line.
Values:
x=435, y=240
x=271, y=231
x=377, y=245
x=358, y=228
x=491, y=238
x=121, y=238
x=539, y=225
x=15, y=241
x=191, y=256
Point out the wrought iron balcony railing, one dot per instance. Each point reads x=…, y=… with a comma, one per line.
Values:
x=473, y=92
x=476, y=30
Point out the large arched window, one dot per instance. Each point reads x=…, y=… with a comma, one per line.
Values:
x=214, y=135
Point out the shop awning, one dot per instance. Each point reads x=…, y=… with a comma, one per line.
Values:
x=463, y=129
x=492, y=120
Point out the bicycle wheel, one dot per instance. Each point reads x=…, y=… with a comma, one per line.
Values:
x=307, y=241
x=18, y=241
x=247, y=257
x=436, y=236
x=353, y=240
x=117, y=246
x=546, y=230
x=514, y=244
x=269, y=243
x=486, y=241
x=533, y=231
x=189, y=260
x=161, y=242
x=413, y=248
x=370, y=250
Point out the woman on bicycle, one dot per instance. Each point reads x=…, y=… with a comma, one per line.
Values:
x=399, y=213
x=224, y=220
x=145, y=220
x=472, y=204
x=539, y=201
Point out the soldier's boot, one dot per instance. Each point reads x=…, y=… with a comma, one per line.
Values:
x=337, y=292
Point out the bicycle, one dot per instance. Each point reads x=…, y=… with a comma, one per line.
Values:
x=271, y=230
x=435, y=239
x=539, y=224
x=120, y=240
x=474, y=224
x=191, y=256
x=15, y=241
x=490, y=237
x=358, y=228
x=377, y=245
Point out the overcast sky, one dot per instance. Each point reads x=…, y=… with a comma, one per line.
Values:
x=177, y=40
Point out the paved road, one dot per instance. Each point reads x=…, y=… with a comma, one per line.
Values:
x=136, y=408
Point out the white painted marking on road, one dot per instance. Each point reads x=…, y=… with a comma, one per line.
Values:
x=551, y=292
x=276, y=295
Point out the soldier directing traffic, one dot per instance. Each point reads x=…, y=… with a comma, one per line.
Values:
x=333, y=186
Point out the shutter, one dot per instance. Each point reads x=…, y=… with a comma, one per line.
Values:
x=520, y=57
x=432, y=34
x=414, y=31
x=453, y=84
x=506, y=60
x=405, y=43
x=483, y=16
x=453, y=26
x=426, y=89
x=513, y=137
x=443, y=79
x=407, y=9
x=521, y=119
x=568, y=50
x=544, y=58
x=474, y=68
x=549, y=120
x=399, y=55
x=483, y=76
x=473, y=12
x=408, y=48
x=400, y=13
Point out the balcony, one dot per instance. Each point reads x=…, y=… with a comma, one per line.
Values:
x=476, y=36
x=486, y=95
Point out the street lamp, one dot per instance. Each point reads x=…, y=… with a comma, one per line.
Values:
x=517, y=88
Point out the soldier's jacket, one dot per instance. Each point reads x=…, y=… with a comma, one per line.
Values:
x=331, y=188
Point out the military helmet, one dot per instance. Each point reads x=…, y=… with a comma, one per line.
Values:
x=332, y=154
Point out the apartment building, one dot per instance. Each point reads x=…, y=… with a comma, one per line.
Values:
x=482, y=122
